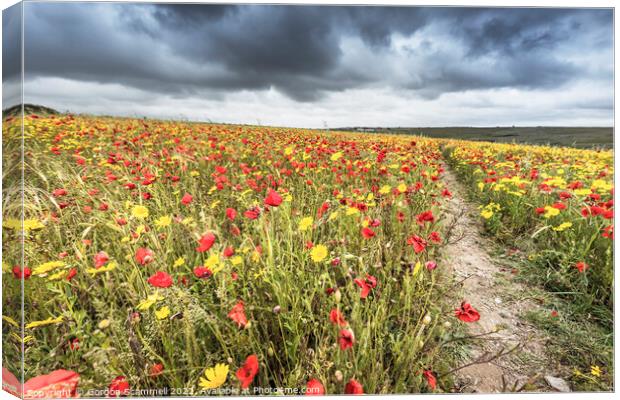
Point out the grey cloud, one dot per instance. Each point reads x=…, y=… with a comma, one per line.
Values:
x=186, y=50
x=11, y=42
x=11, y=56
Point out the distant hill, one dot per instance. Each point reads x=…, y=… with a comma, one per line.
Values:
x=28, y=109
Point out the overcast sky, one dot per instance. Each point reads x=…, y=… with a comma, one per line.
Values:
x=318, y=65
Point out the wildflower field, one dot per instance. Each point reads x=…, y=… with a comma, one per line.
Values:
x=200, y=259
x=561, y=198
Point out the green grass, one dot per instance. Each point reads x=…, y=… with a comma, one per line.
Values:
x=579, y=337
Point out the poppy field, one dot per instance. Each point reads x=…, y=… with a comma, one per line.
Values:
x=177, y=258
x=560, y=198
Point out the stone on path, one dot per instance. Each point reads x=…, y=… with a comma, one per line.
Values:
x=558, y=384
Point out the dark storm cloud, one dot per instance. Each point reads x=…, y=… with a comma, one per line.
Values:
x=11, y=42
x=191, y=15
x=11, y=56
x=185, y=50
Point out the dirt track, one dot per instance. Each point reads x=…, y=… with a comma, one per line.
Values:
x=483, y=285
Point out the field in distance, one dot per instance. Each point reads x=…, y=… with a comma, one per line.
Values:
x=580, y=137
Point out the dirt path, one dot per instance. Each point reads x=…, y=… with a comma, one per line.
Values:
x=484, y=285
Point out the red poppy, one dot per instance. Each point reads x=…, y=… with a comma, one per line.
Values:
x=187, y=199
x=119, y=387
x=435, y=237
x=74, y=344
x=206, y=241
x=156, y=369
x=273, y=198
x=337, y=318
x=426, y=216
x=252, y=213
x=418, y=243
x=160, y=279
x=596, y=210
x=229, y=251
x=467, y=313
x=59, y=192
x=367, y=233
x=431, y=265
x=353, y=387
x=18, y=273
x=564, y=195
x=144, y=256
x=608, y=232
x=594, y=196
x=202, y=272
x=248, y=371
x=71, y=274
x=58, y=384
x=366, y=285
x=101, y=258
x=371, y=281
x=559, y=206
x=324, y=207
x=575, y=185
x=231, y=213
x=430, y=379
x=581, y=266
x=237, y=314
x=346, y=339
x=314, y=388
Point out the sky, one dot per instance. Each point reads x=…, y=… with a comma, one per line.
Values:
x=317, y=66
